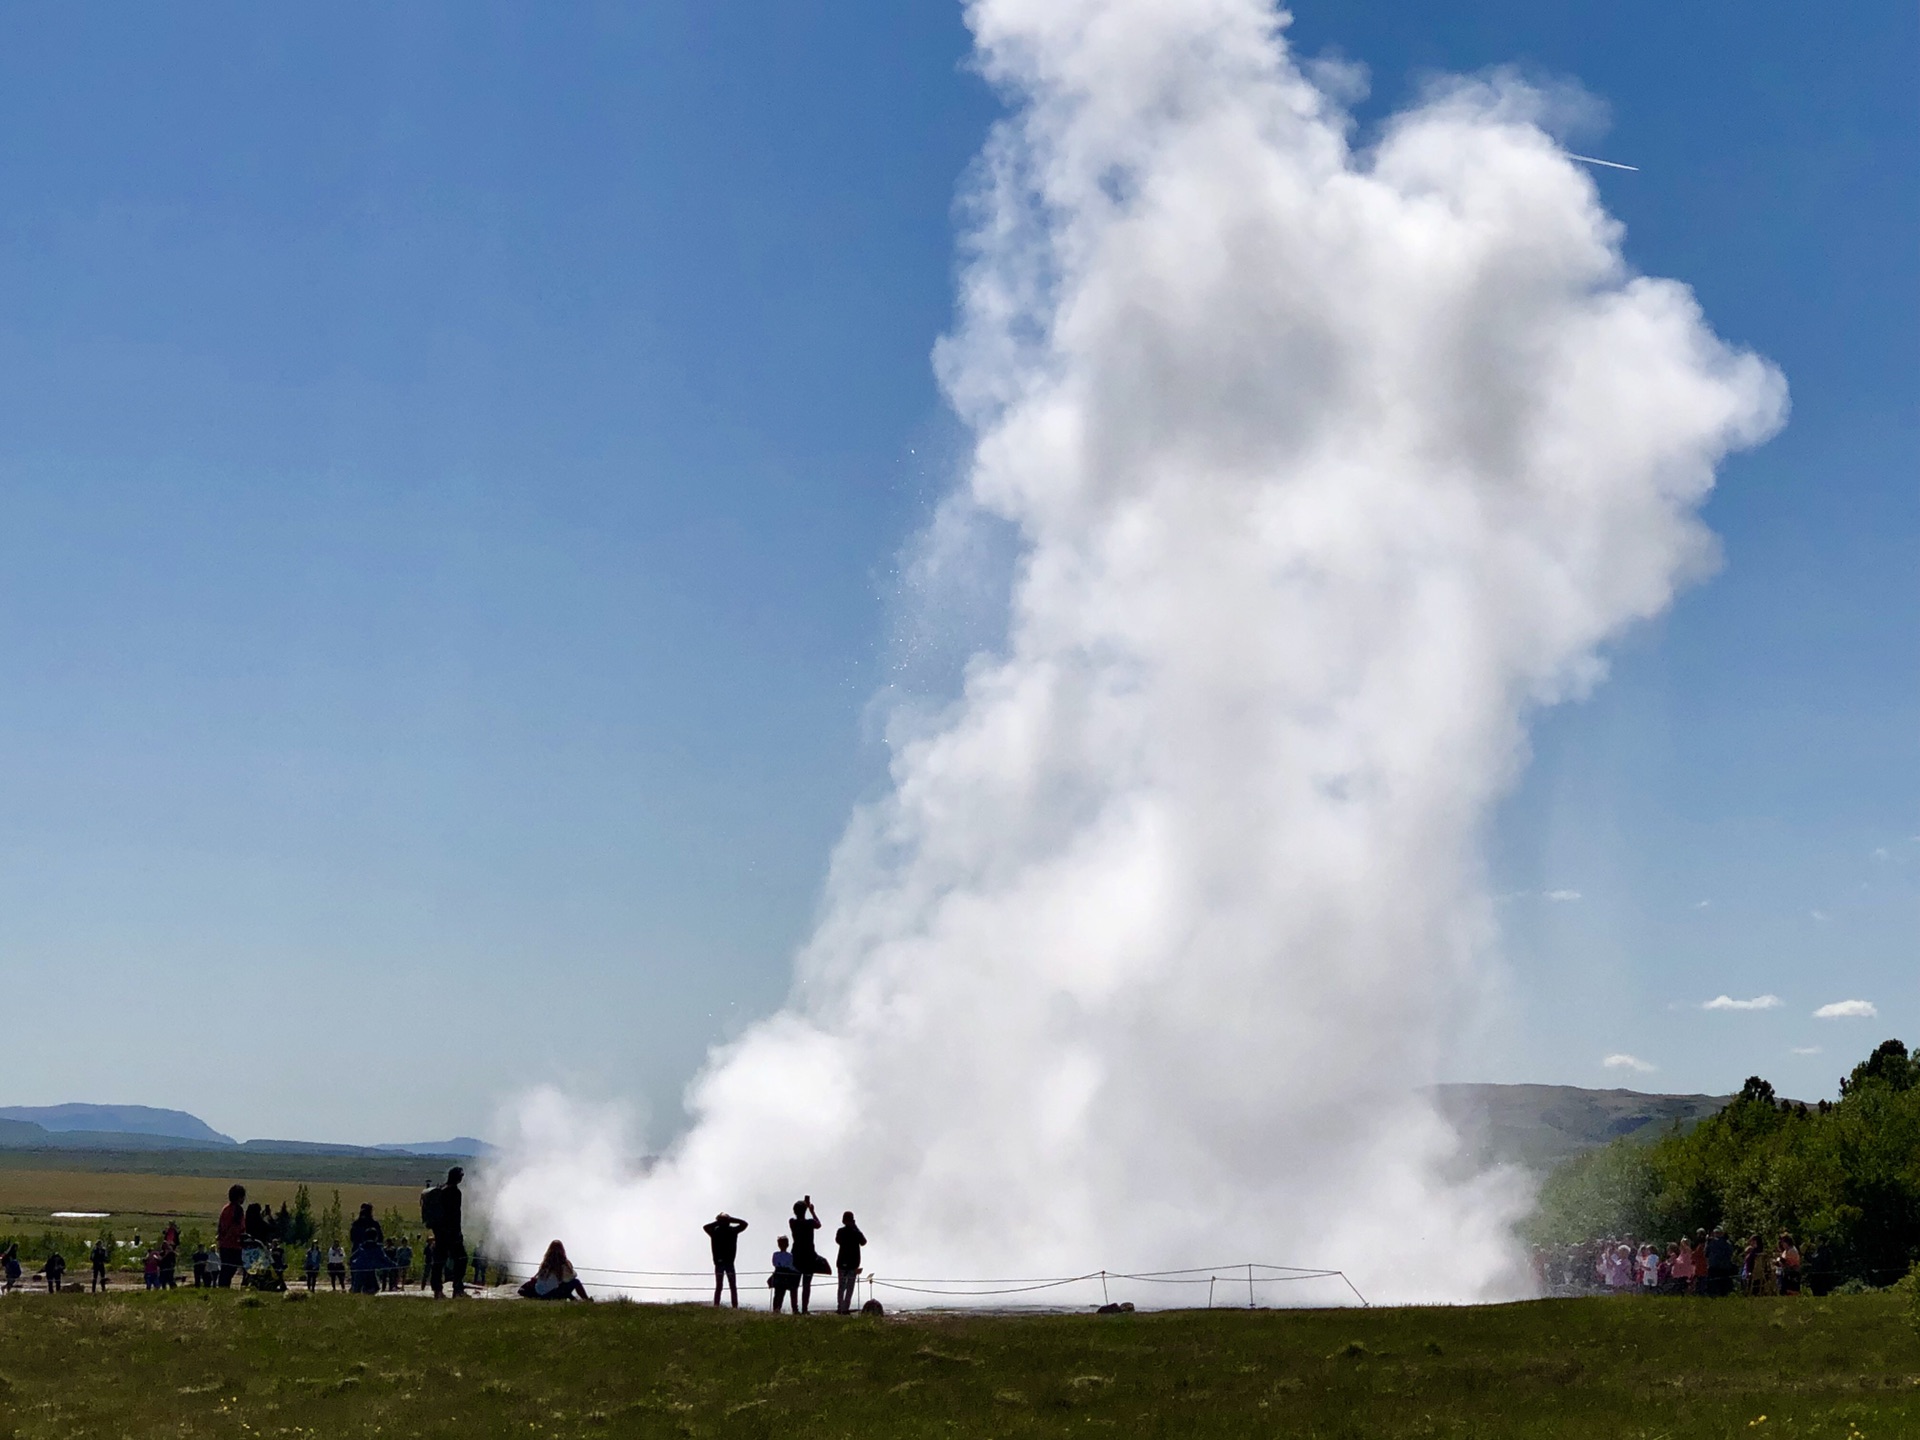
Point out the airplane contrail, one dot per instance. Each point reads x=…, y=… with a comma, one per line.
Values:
x=1610, y=164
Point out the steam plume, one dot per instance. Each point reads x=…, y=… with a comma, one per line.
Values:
x=1326, y=468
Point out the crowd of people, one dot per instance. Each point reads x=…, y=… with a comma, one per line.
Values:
x=796, y=1259
x=249, y=1247
x=1709, y=1264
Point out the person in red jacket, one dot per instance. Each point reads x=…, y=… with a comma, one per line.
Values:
x=231, y=1234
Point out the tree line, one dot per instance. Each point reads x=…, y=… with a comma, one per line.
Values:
x=1845, y=1172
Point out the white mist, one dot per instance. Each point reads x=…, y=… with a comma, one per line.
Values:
x=1327, y=468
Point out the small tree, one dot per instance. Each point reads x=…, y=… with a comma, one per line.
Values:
x=300, y=1226
x=333, y=1224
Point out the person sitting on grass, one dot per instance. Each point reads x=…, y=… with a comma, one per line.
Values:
x=785, y=1279
x=554, y=1280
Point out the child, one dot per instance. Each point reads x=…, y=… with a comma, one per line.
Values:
x=785, y=1278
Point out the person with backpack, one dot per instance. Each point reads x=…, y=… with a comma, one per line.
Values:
x=440, y=1213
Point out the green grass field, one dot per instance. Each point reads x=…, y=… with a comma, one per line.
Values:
x=190, y=1364
x=28, y=1198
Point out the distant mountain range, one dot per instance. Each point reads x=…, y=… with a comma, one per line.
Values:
x=143, y=1127
x=1535, y=1126
x=1538, y=1126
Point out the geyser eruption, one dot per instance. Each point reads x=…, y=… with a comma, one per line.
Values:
x=1326, y=467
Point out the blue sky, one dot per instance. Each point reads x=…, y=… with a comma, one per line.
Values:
x=455, y=457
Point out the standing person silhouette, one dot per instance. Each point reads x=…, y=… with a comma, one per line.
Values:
x=440, y=1208
x=847, y=1262
x=230, y=1234
x=806, y=1259
x=99, y=1258
x=723, y=1231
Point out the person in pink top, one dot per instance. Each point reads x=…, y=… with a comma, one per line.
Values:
x=1682, y=1267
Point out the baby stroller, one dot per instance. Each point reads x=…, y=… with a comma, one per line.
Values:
x=258, y=1268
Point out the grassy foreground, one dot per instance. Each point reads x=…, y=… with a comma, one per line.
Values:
x=192, y=1364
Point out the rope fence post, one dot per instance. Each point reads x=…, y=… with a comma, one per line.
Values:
x=1250, y=1287
x=1105, y=1299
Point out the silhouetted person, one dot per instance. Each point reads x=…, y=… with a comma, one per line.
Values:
x=368, y=1253
x=10, y=1266
x=99, y=1258
x=554, y=1280
x=1819, y=1268
x=1721, y=1265
x=313, y=1266
x=426, y=1263
x=440, y=1209
x=785, y=1279
x=56, y=1268
x=847, y=1262
x=806, y=1258
x=723, y=1232
x=230, y=1234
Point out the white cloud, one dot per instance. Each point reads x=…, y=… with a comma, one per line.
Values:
x=1819, y=914
x=1847, y=1010
x=1806, y=1050
x=1703, y=904
x=1563, y=895
x=1758, y=1002
x=1629, y=1062
x=1882, y=854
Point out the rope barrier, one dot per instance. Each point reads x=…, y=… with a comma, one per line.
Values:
x=978, y=1289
